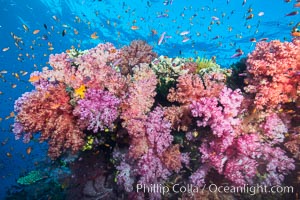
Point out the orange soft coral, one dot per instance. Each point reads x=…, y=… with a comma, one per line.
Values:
x=172, y=158
x=191, y=87
x=49, y=112
x=179, y=117
x=273, y=73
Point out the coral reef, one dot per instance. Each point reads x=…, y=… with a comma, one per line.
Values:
x=135, y=119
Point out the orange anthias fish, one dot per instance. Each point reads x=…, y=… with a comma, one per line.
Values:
x=94, y=35
x=154, y=32
x=134, y=28
x=34, y=78
x=11, y=114
x=36, y=31
x=28, y=150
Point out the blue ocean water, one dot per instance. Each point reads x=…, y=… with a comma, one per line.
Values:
x=216, y=28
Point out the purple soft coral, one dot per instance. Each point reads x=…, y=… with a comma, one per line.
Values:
x=158, y=131
x=151, y=169
x=98, y=110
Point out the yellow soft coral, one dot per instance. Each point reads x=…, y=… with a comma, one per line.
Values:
x=80, y=91
x=204, y=63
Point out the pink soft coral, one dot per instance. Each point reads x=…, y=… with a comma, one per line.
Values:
x=274, y=129
x=151, y=169
x=220, y=118
x=158, y=131
x=277, y=164
x=141, y=93
x=135, y=107
x=95, y=68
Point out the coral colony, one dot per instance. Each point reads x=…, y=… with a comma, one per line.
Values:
x=173, y=121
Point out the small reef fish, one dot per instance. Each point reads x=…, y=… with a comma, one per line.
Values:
x=296, y=30
x=162, y=15
x=34, y=78
x=36, y=31
x=23, y=73
x=45, y=26
x=55, y=18
x=249, y=16
x=25, y=27
x=184, y=33
x=5, y=49
x=214, y=18
x=261, y=14
x=263, y=39
x=154, y=32
x=297, y=5
x=94, y=36
x=238, y=53
x=64, y=32
x=161, y=38
x=44, y=37
x=28, y=150
x=17, y=76
x=134, y=28
x=65, y=26
x=167, y=2
x=185, y=39
x=292, y=13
